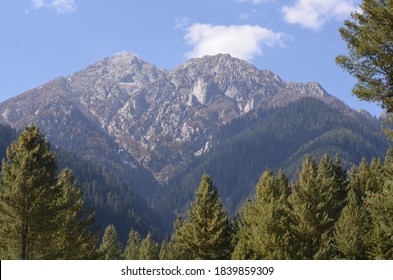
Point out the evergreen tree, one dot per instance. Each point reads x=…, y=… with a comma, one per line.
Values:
x=352, y=230
x=148, y=249
x=131, y=251
x=380, y=206
x=244, y=248
x=317, y=201
x=175, y=250
x=164, y=251
x=361, y=179
x=27, y=198
x=74, y=237
x=205, y=233
x=332, y=183
x=304, y=213
x=388, y=165
x=111, y=248
x=378, y=176
x=369, y=41
x=264, y=223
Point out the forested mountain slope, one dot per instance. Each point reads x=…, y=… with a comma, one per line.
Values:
x=149, y=124
x=148, y=134
x=114, y=201
x=279, y=138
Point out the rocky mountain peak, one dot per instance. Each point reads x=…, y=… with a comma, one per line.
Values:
x=221, y=64
x=162, y=119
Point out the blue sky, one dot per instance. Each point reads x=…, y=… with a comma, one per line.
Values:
x=297, y=39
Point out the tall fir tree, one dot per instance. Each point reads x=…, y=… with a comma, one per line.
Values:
x=317, y=201
x=111, y=248
x=380, y=206
x=28, y=195
x=148, y=249
x=332, y=183
x=378, y=176
x=164, y=251
x=388, y=165
x=205, y=233
x=131, y=251
x=304, y=220
x=174, y=250
x=244, y=248
x=369, y=41
x=361, y=179
x=352, y=230
x=264, y=223
x=75, y=237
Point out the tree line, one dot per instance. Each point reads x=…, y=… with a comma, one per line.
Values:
x=327, y=213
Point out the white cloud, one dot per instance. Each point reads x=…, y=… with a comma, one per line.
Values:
x=64, y=6
x=60, y=6
x=37, y=4
x=313, y=14
x=181, y=22
x=242, y=41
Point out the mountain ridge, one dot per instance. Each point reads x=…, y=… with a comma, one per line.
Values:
x=143, y=117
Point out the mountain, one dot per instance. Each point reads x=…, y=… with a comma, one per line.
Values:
x=131, y=115
x=278, y=138
x=159, y=130
x=113, y=200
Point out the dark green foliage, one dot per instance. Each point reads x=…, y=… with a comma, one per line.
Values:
x=326, y=221
x=110, y=248
x=380, y=206
x=148, y=249
x=74, y=238
x=317, y=201
x=280, y=138
x=114, y=200
x=264, y=223
x=352, y=230
x=137, y=249
x=164, y=251
x=131, y=251
x=369, y=41
x=173, y=250
x=42, y=215
x=323, y=215
x=205, y=233
x=28, y=198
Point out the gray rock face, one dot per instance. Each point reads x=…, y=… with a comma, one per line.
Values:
x=124, y=109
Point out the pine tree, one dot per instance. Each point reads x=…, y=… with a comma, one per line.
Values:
x=164, y=251
x=148, y=249
x=388, y=166
x=352, y=230
x=74, y=237
x=361, y=179
x=317, y=201
x=111, y=248
x=27, y=198
x=378, y=176
x=205, y=233
x=380, y=206
x=131, y=251
x=244, y=248
x=264, y=223
x=305, y=221
x=175, y=250
x=369, y=41
x=332, y=183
